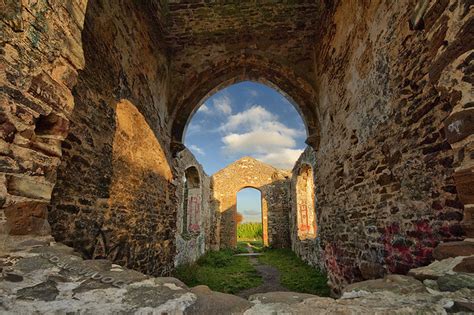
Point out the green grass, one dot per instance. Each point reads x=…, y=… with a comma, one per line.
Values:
x=250, y=231
x=242, y=247
x=220, y=271
x=257, y=245
x=294, y=273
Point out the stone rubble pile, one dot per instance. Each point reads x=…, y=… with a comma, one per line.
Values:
x=44, y=277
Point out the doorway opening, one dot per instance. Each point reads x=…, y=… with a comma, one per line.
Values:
x=191, y=220
x=250, y=220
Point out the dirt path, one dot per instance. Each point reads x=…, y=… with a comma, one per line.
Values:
x=270, y=276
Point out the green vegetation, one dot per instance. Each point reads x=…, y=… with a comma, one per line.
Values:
x=294, y=273
x=221, y=271
x=242, y=246
x=224, y=272
x=249, y=231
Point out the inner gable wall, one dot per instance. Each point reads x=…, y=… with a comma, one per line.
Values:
x=274, y=186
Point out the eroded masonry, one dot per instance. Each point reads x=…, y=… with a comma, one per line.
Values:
x=95, y=97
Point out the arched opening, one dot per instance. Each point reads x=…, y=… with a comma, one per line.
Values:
x=246, y=119
x=256, y=132
x=229, y=72
x=305, y=203
x=251, y=222
x=191, y=219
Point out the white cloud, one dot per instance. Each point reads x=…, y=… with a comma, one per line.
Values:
x=195, y=149
x=284, y=158
x=258, y=141
x=259, y=133
x=204, y=109
x=255, y=118
x=222, y=105
x=249, y=118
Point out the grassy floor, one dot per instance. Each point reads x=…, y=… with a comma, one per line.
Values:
x=220, y=271
x=294, y=273
x=257, y=245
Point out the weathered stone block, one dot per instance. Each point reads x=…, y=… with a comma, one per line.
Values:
x=466, y=265
x=51, y=92
x=370, y=270
x=465, y=185
x=456, y=282
x=27, y=218
x=436, y=269
x=51, y=147
x=453, y=249
x=11, y=15
x=45, y=291
x=459, y=125
x=392, y=283
x=31, y=187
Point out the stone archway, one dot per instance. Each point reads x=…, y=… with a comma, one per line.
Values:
x=237, y=69
x=274, y=186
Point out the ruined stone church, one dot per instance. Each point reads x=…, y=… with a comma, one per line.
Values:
x=95, y=98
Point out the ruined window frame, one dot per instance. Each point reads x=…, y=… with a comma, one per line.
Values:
x=310, y=229
x=191, y=180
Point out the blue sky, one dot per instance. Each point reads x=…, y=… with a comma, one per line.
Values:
x=246, y=119
x=249, y=204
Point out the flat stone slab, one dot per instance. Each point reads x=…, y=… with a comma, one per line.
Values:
x=281, y=297
x=436, y=269
x=394, y=283
x=51, y=280
x=456, y=282
x=211, y=302
x=453, y=249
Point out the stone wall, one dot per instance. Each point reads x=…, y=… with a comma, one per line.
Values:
x=95, y=98
x=40, y=57
x=114, y=197
x=192, y=243
x=391, y=187
x=215, y=44
x=274, y=187
x=308, y=248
